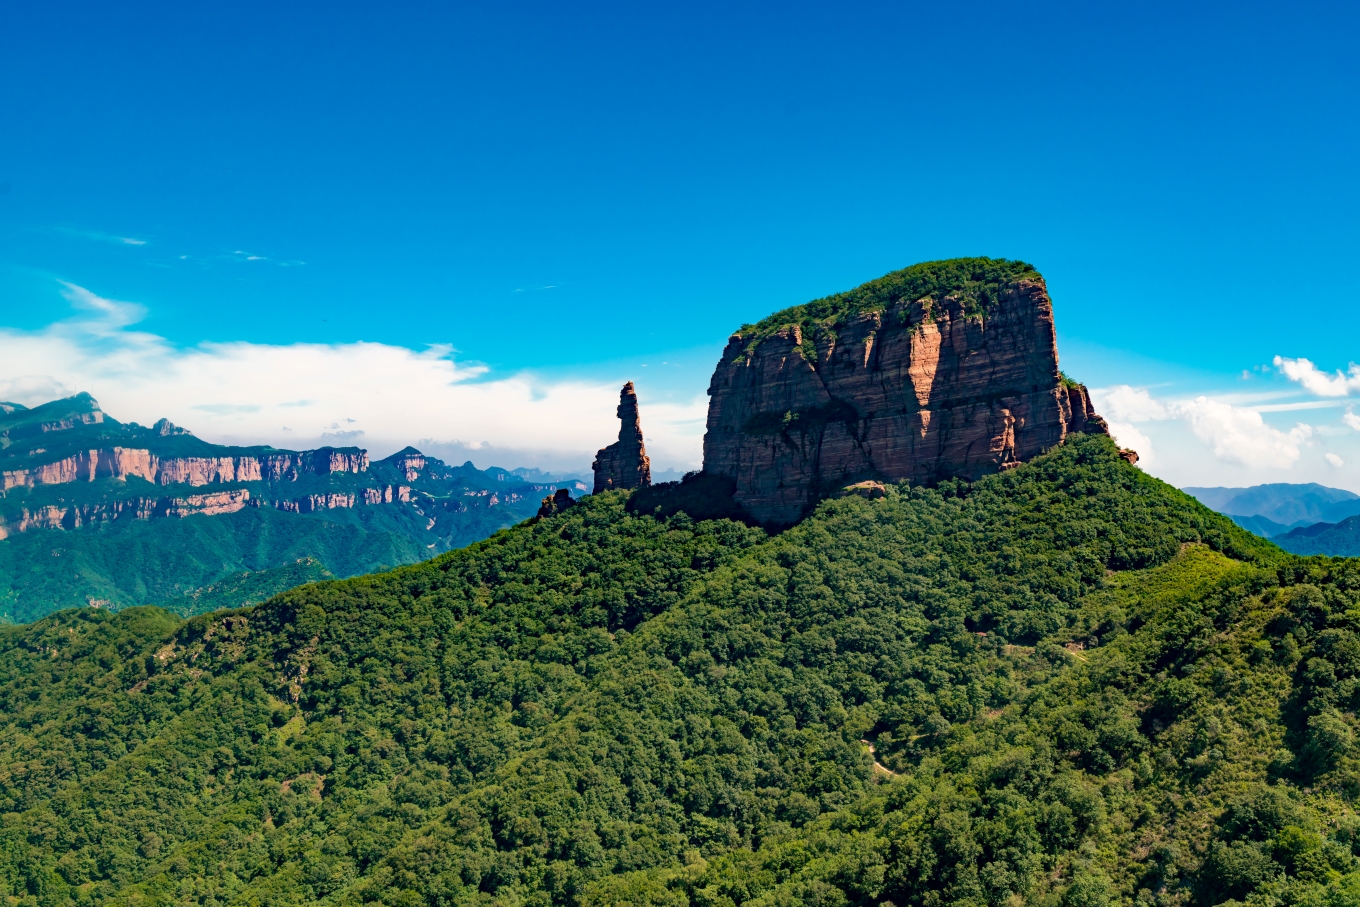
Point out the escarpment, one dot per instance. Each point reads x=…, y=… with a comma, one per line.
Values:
x=624, y=464
x=66, y=465
x=122, y=463
x=944, y=369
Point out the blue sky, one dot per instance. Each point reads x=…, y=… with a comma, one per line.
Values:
x=548, y=199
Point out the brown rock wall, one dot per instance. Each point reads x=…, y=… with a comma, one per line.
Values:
x=137, y=508
x=917, y=391
x=122, y=462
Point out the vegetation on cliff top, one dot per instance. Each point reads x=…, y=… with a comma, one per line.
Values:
x=976, y=282
x=1081, y=688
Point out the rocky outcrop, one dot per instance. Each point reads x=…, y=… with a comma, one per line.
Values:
x=387, y=494
x=122, y=463
x=314, y=502
x=557, y=502
x=920, y=389
x=137, y=508
x=624, y=464
x=409, y=462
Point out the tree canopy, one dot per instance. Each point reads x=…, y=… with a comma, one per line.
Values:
x=1066, y=684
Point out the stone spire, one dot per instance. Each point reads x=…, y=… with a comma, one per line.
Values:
x=624, y=463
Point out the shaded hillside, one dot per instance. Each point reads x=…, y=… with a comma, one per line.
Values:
x=1080, y=686
x=1289, y=505
x=1333, y=539
x=247, y=588
x=121, y=565
x=1259, y=525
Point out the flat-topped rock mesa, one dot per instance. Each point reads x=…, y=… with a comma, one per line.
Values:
x=942, y=369
x=624, y=464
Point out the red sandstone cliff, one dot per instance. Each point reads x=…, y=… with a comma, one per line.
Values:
x=122, y=462
x=920, y=390
x=624, y=464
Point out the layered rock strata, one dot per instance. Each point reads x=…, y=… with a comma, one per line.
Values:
x=74, y=516
x=122, y=463
x=624, y=464
x=65, y=465
x=921, y=390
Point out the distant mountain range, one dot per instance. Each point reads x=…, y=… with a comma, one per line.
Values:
x=1303, y=519
x=94, y=511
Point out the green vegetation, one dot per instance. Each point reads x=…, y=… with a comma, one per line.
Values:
x=1333, y=539
x=135, y=562
x=1080, y=688
x=248, y=588
x=976, y=282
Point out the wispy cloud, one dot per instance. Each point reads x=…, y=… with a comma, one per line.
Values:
x=97, y=236
x=1316, y=381
x=1235, y=434
x=247, y=392
x=1239, y=434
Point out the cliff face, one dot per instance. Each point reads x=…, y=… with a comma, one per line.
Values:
x=121, y=463
x=624, y=464
x=66, y=465
x=923, y=388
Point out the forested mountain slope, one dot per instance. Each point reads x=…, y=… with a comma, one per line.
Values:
x=1081, y=687
x=1333, y=539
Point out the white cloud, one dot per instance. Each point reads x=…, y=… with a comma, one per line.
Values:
x=1316, y=381
x=247, y=392
x=1123, y=403
x=1352, y=420
x=1125, y=435
x=1240, y=435
x=1335, y=460
x=1236, y=434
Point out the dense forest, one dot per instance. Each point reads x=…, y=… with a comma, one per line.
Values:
x=1068, y=684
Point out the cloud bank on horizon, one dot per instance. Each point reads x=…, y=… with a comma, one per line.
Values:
x=296, y=395
x=1226, y=439
x=382, y=397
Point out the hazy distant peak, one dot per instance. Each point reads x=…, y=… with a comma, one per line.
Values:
x=165, y=428
x=1282, y=502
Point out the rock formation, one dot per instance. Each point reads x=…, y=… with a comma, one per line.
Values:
x=557, y=502
x=917, y=388
x=122, y=462
x=624, y=463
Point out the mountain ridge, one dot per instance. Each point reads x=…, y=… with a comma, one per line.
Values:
x=1062, y=683
x=1290, y=505
x=68, y=468
x=598, y=709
